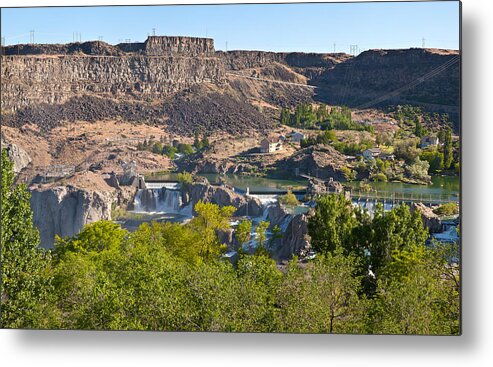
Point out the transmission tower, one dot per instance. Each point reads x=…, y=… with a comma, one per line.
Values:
x=334, y=47
x=3, y=41
x=100, y=38
x=353, y=49
x=154, y=31
x=423, y=42
x=31, y=36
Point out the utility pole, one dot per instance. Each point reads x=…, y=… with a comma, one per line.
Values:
x=31, y=36
x=154, y=32
x=334, y=47
x=3, y=41
x=353, y=49
x=226, y=46
x=100, y=38
x=423, y=42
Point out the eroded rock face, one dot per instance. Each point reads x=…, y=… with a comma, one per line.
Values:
x=18, y=156
x=319, y=187
x=430, y=219
x=64, y=211
x=56, y=79
x=295, y=240
x=319, y=161
x=222, y=196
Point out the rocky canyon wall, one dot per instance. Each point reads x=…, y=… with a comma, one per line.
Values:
x=165, y=66
x=64, y=211
x=29, y=80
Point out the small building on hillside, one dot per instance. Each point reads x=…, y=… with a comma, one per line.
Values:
x=270, y=145
x=427, y=141
x=297, y=137
x=372, y=153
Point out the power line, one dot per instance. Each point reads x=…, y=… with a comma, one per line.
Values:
x=413, y=84
x=272, y=81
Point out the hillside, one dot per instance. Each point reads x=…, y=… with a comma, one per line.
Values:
x=183, y=84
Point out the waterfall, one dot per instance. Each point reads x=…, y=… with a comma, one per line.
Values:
x=160, y=200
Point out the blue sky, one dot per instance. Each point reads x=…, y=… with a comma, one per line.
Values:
x=279, y=27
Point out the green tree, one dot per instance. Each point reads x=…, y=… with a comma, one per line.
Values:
x=445, y=136
x=395, y=230
x=407, y=150
x=332, y=224
x=260, y=232
x=157, y=148
x=209, y=219
x=435, y=159
x=186, y=149
x=26, y=279
x=447, y=209
x=322, y=296
x=418, y=127
x=285, y=116
x=419, y=170
x=96, y=237
x=418, y=294
x=185, y=178
x=243, y=231
x=288, y=199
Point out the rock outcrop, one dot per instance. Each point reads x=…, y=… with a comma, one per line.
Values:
x=56, y=79
x=318, y=187
x=295, y=240
x=64, y=211
x=222, y=196
x=430, y=219
x=18, y=156
x=323, y=162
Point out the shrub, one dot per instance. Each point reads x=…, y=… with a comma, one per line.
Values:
x=185, y=178
x=288, y=199
x=349, y=174
x=447, y=209
x=379, y=177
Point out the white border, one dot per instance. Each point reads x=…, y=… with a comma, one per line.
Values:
x=474, y=348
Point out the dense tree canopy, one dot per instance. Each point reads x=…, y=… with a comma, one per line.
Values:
x=371, y=274
x=26, y=279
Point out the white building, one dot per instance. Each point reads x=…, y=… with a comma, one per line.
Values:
x=371, y=153
x=270, y=145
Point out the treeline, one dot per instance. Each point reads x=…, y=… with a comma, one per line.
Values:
x=308, y=116
x=159, y=147
x=369, y=275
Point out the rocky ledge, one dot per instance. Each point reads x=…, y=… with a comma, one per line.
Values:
x=64, y=210
x=221, y=195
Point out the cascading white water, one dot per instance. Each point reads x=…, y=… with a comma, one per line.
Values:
x=160, y=200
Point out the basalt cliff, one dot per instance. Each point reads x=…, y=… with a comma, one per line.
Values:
x=185, y=84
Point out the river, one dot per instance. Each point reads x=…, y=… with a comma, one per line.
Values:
x=445, y=187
